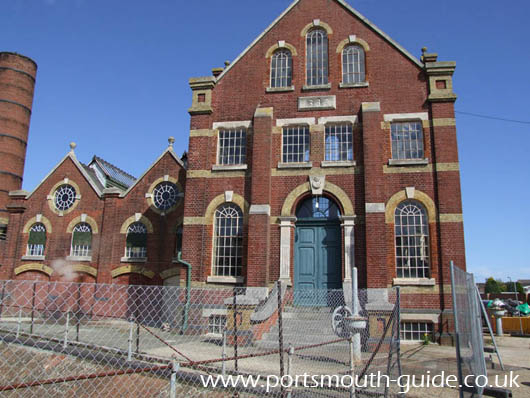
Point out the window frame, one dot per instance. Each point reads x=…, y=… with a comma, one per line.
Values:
x=420, y=141
x=242, y=156
x=424, y=327
x=289, y=77
x=361, y=64
x=422, y=267
x=307, y=145
x=326, y=132
x=86, y=250
x=30, y=247
x=136, y=252
x=324, y=67
x=239, y=247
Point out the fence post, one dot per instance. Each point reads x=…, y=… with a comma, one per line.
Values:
x=65, y=344
x=280, y=336
x=352, y=363
x=173, y=383
x=130, y=340
x=19, y=322
x=137, y=335
x=78, y=312
x=223, y=354
x=33, y=307
x=457, y=334
x=235, y=329
x=290, y=353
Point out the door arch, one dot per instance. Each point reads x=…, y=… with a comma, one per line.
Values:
x=318, y=248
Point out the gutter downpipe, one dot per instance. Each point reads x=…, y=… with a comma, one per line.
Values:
x=188, y=292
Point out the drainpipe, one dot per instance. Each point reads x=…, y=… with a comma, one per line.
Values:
x=188, y=292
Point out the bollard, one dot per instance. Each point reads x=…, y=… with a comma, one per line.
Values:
x=65, y=344
x=130, y=340
x=223, y=355
x=173, y=383
x=19, y=323
x=290, y=354
x=352, y=365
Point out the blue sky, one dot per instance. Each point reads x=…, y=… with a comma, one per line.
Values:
x=113, y=78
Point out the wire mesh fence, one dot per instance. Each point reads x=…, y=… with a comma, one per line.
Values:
x=468, y=330
x=84, y=340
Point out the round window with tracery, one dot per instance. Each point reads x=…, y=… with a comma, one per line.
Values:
x=64, y=197
x=165, y=195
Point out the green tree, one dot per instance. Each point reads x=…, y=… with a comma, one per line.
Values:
x=493, y=286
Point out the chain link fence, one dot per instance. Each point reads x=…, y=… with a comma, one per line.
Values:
x=468, y=330
x=85, y=340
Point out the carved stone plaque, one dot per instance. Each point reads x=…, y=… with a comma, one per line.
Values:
x=320, y=102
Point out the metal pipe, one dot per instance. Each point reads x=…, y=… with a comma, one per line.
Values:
x=290, y=354
x=280, y=335
x=130, y=340
x=2, y=300
x=65, y=344
x=19, y=323
x=223, y=355
x=517, y=299
x=352, y=366
x=188, y=292
x=235, y=329
x=173, y=381
x=33, y=307
x=457, y=335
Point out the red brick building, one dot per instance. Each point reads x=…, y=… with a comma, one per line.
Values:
x=325, y=145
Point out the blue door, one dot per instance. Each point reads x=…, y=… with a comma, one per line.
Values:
x=318, y=265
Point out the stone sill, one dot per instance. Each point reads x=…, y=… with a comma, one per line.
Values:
x=133, y=259
x=301, y=165
x=79, y=258
x=408, y=162
x=327, y=163
x=279, y=89
x=225, y=279
x=213, y=336
x=315, y=88
x=229, y=167
x=413, y=282
x=353, y=85
x=32, y=258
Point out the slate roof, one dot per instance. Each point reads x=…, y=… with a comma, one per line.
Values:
x=114, y=173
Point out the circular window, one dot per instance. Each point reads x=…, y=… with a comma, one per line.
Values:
x=165, y=195
x=64, y=197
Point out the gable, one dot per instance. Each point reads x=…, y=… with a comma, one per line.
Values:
x=341, y=3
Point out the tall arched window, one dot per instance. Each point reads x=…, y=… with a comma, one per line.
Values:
x=412, y=240
x=81, y=240
x=281, y=68
x=136, y=245
x=36, y=240
x=353, y=65
x=317, y=57
x=228, y=241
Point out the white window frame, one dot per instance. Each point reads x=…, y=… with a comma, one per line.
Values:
x=81, y=250
x=136, y=251
x=412, y=254
x=322, y=58
x=230, y=266
x=414, y=331
x=216, y=324
x=285, y=68
x=331, y=131
x=32, y=249
x=241, y=157
x=410, y=145
x=301, y=157
x=355, y=68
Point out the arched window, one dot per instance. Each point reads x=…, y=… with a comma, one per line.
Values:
x=412, y=240
x=318, y=207
x=281, y=68
x=81, y=240
x=317, y=57
x=353, y=67
x=136, y=245
x=37, y=240
x=228, y=241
